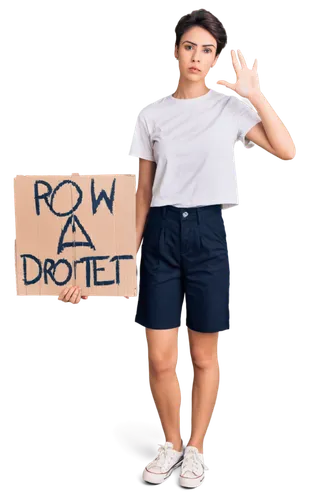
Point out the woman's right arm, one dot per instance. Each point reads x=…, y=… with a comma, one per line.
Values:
x=147, y=171
x=144, y=189
x=143, y=198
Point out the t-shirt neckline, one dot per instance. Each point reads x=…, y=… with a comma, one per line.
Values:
x=192, y=99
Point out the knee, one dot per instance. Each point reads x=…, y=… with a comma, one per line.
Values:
x=202, y=360
x=160, y=364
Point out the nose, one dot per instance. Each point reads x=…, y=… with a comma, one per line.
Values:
x=194, y=55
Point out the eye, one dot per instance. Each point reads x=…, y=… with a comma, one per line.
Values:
x=190, y=47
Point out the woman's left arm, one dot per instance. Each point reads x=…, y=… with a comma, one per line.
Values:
x=270, y=132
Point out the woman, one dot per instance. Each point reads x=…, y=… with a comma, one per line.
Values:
x=182, y=184
x=185, y=147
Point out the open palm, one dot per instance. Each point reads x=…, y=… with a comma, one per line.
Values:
x=247, y=77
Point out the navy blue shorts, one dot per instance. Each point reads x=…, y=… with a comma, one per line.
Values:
x=184, y=251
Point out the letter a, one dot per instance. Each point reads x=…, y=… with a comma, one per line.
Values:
x=74, y=222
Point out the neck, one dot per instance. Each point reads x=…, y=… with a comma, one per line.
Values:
x=190, y=91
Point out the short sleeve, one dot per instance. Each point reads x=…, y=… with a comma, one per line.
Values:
x=247, y=117
x=141, y=143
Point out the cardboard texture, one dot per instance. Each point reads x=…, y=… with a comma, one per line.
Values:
x=75, y=230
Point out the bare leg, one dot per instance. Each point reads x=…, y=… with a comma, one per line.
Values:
x=203, y=347
x=163, y=355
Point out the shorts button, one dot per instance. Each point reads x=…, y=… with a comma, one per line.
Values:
x=185, y=214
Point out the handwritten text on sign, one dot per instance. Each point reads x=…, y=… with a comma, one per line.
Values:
x=73, y=234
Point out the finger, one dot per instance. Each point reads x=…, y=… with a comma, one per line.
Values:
x=74, y=295
x=84, y=296
x=68, y=294
x=77, y=295
x=255, y=64
x=227, y=84
x=63, y=293
x=242, y=59
x=235, y=63
x=77, y=298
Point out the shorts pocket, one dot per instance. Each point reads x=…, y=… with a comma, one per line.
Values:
x=224, y=227
x=216, y=228
x=151, y=247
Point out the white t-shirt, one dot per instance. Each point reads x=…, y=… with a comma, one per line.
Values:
x=192, y=142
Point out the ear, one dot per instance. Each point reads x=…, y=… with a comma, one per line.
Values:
x=216, y=61
x=174, y=51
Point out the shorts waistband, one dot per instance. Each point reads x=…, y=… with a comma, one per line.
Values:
x=186, y=213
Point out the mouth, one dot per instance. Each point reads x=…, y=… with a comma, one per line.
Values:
x=193, y=68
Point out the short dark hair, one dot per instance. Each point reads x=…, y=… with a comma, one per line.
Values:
x=207, y=21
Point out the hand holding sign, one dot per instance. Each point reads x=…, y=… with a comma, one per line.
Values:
x=72, y=294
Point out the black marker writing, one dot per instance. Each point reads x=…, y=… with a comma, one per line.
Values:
x=71, y=224
x=95, y=202
x=45, y=197
x=47, y=271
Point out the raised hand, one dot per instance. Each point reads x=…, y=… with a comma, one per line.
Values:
x=247, y=78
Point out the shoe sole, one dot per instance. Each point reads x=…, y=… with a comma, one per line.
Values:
x=158, y=478
x=148, y=483
x=189, y=482
x=156, y=485
x=193, y=487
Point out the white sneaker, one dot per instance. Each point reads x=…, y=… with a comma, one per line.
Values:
x=164, y=464
x=193, y=468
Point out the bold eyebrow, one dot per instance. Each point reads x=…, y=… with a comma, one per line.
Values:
x=206, y=45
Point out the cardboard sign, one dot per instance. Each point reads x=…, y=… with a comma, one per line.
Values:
x=76, y=230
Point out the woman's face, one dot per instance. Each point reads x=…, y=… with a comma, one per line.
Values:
x=197, y=47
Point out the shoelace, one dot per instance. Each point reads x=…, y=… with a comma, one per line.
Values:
x=163, y=458
x=191, y=461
